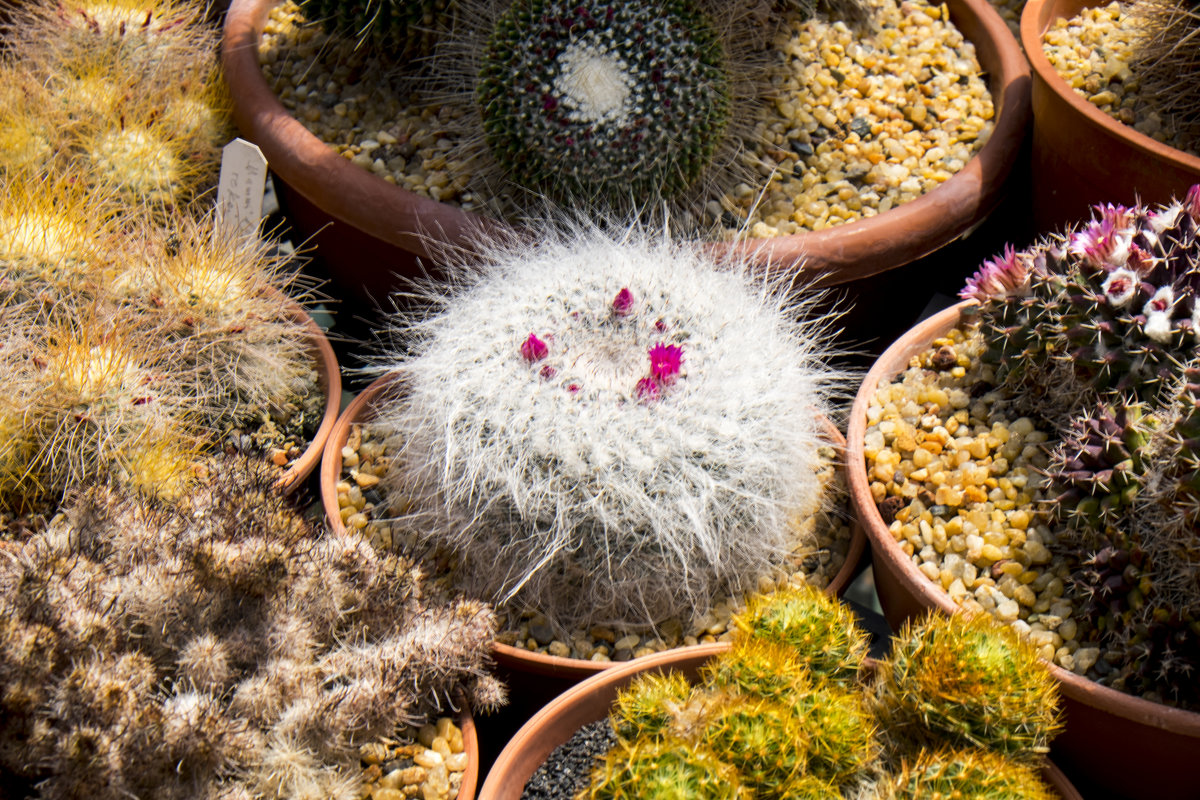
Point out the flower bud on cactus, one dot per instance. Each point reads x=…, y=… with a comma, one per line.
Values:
x=969, y=680
x=822, y=630
x=609, y=428
x=1117, y=299
x=662, y=770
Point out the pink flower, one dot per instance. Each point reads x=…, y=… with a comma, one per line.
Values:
x=573, y=388
x=647, y=390
x=1105, y=243
x=665, y=362
x=534, y=349
x=1192, y=203
x=623, y=303
x=997, y=278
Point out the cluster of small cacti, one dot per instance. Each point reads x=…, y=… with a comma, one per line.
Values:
x=218, y=648
x=129, y=349
x=405, y=29
x=1166, y=62
x=1112, y=312
x=962, y=707
x=137, y=328
x=608, y=426
x=123, y=96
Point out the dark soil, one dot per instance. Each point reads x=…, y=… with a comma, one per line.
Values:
x=565, y=773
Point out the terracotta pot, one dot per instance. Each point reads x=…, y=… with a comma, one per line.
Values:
x=542, y=675
x=1081, y=155
x=470, y=778
x=379, y=229
x=1126, y=744
x=591, y=700
x=329, y=378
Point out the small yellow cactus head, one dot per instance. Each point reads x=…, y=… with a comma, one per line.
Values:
x=764, y=739
x=969, y=772
x=648, y=707
x=760, y=669
x=972, y=681
x=822, y=630
x=663, y=770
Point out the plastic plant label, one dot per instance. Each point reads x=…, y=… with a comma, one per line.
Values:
x=240, y=187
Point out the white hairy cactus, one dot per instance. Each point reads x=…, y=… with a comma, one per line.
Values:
x=609, y=427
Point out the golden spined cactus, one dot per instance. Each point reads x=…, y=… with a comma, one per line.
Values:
x=822, y=630
x=760, y=669
x=841, y=731
x=973, y=773
x=971, y=681
x=765, y=740
x=649, y=706
x=665, y=770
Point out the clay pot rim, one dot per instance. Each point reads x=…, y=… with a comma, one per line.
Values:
x=565, y=709
x=844, y=253
x=524, y=660
x=883, y=545
x=1036, y=19
x=329, y=378
x=470, y=734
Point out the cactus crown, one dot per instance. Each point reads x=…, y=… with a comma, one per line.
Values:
x=604, y=100
x=582, y=424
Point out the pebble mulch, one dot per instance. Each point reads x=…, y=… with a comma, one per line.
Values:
x=281, y=433
x=959, y=484
x=566, y=772
x=864, y=120
x=1092, y=52
x=428, y=765
x=362, y=507
x=1010, y=12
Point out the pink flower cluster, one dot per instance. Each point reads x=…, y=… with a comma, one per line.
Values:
x=997, y=278
x=666, y=362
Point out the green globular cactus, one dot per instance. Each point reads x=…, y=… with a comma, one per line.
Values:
x=822, y=630
x=969, y=680
x=607, y=425
x=764, y=740
x=1166, y=63
x=841, y=731
x=966, y=773
x=603, y=101
x=649, y=706
x=664, y=771
x=1116, y=299
x=403, y=29
x=1097, y=468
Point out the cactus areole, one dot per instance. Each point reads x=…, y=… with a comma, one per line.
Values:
x=603, y=100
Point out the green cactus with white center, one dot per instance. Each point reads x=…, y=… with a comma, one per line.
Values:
x=604, y=100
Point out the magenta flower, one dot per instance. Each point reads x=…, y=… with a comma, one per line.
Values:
x=647, y=390
x=622, y=304
x=997, y=278
x=665, y=362
x=1105, y=243
x=1191, y=203
x=534, y=349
